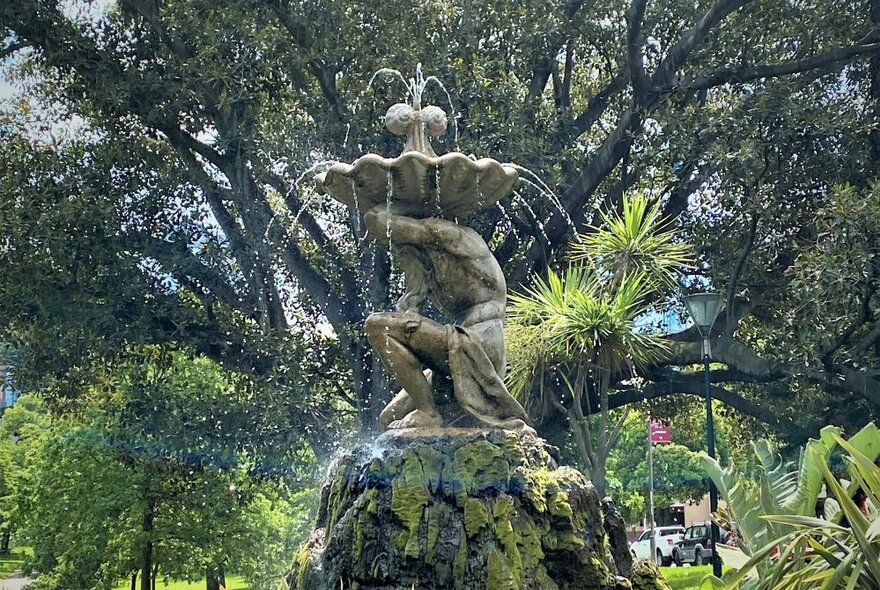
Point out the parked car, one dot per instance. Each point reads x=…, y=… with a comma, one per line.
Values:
x=696, y=545
x=665, y=538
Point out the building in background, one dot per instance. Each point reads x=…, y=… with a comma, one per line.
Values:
x=8, y=392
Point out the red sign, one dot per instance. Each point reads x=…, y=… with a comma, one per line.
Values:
x=660, y=433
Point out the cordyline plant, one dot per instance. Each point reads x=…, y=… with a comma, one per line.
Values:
x=580, y=328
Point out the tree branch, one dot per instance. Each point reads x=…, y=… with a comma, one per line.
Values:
x=867, y=340
x=299, y=32
x=691, y=39
x=598, y=103
x=749, y=242
x=308, y=221
x=12, y=48
x=545, y=65
x=634, y=60
x=739, y=403
x=179, y=259
x=727, y=75
x=600, y=165
x=738, y=356
x=340, y=314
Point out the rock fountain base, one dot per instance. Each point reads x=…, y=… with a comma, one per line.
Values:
x=460, y=509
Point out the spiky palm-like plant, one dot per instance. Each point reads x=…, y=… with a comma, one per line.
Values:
x=582, y=324
x=636, y=240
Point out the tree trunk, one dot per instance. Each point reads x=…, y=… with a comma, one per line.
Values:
x=370, y=384
x=147, y=557
x=597, y=476
x=874, y=70
x=215, y=578
x=134, y=580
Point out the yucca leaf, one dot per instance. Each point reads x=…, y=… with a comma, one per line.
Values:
x=803, y=521
x=809, y=475
x=841, y=569
x=858, y=522
x=828, y=556
x=854, y=576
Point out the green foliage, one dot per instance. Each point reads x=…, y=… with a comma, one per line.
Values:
x=637, y=241
x=174, y=208
x=573, y=317
x=788, y=544
x=588, y=315
x=167, y=457
x=679, y=475
x=583, y=325
x=835, y=274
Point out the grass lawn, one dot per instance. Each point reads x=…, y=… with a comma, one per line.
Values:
x=685, y=578
x=12, y=561
x=232, y=583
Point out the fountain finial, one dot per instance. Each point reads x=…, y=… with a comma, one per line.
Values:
x=414, y=122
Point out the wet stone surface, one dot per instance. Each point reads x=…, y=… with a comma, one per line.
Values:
x=455, y=509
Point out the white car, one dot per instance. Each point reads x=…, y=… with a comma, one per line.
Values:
x=665, y=539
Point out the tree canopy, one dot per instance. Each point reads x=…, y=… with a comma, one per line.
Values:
x=166, y=470
x=180, y=209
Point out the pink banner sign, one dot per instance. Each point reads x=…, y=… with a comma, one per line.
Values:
x=660, y=433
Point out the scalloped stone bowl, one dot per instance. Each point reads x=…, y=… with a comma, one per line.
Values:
x=451, y=185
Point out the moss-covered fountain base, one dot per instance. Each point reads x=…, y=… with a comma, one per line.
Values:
x=455, y=509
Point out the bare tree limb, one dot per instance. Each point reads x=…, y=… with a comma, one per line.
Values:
x=738, y=356
x=545, y=65
x=867, y=340
x=634, y=59
x=323, y=73
x=689, y=41
x=340, y=314
x=178, y=259
x=312, y=227
x=748, y=243
x=598, y=103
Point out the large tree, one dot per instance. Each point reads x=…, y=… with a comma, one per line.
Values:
x=166, y=468
x=174, y=214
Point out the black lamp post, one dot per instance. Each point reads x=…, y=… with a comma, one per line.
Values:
x=703, y=309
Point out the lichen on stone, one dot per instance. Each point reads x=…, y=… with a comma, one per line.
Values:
x=479, y=466
x=476, y=515
x=478, y=510
x=646, y=576
x=409, y=496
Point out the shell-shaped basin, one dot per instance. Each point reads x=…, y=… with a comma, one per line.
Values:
x=451, y=185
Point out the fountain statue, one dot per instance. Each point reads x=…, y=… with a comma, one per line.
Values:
x=444, y=263
x=458, y=492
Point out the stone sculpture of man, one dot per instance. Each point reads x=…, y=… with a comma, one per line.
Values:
x=451, y=267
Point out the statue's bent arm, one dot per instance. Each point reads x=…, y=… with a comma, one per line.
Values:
x=450, y=236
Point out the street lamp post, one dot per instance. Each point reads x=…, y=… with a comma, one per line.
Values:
x=703, y=309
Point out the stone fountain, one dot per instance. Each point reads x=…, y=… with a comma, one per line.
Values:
x=458, y=493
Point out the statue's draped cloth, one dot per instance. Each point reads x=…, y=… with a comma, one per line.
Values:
x=478, y=388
